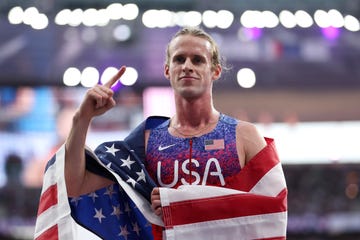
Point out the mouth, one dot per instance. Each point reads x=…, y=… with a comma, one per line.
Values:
x=189, y=78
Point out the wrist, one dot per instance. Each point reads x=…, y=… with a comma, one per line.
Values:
x=81, y=119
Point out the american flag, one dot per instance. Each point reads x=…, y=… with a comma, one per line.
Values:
x=62, y=218
x=213, y=144
x=108, y=213
x=255, y=209
x=102, y=213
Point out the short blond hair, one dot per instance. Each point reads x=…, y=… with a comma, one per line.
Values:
x=216, y=59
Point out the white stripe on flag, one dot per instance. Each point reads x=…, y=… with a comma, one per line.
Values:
x=83, y=233
x=272, y=183
x=193, y=192
x=58, y=214
x=49, y=178
x=267, y=226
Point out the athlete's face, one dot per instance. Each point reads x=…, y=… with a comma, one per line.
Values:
x=190, y=68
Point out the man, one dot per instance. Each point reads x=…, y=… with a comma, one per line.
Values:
x=197, y=146
x=192, y=66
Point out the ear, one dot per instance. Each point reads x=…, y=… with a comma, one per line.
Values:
x=217, y=72
x=166, y=71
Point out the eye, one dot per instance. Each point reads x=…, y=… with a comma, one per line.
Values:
x=198, y=60
x=179, y=59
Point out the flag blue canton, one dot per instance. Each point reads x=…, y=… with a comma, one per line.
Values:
x=124, y=161
x=110, y=214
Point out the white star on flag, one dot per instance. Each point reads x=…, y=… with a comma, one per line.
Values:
x=136, y=228
x=76, y=200
x=116, y=211
x=109, y=191
x=127, y=207
x=127, y=162
x=112, y=149
x=99, y=214
x=93, y=195
x=124, y=232
x=141, y=175
x=131, y=181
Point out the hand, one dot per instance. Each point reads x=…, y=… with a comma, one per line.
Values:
x=99, y=99
x=155, y=202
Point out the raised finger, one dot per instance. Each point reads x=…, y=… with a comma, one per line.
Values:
x=101, y=96
x=115, y=77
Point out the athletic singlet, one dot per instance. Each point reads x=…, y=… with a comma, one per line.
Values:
x=213, y=159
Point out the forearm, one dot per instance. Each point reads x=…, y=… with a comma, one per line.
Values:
x=97, y=101
x=75, y=171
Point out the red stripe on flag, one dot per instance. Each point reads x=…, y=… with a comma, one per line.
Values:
x=50, y=234
x=216, y=208
x=48, y=198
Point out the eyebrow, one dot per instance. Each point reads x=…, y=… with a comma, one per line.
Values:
x=192, y=55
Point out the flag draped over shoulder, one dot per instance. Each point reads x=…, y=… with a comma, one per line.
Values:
x=116, y=212
x=54, y=220
x=254, y=209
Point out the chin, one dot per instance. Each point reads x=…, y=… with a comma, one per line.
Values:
x=190, y=93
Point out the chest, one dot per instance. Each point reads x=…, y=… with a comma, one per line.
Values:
x=205, y=160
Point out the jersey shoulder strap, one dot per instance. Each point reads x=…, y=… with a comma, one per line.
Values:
x=136, y=139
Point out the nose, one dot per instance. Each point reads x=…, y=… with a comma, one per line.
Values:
x=187, y=66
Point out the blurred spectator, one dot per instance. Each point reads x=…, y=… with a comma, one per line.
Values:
x=12, y=195
x=127, y=114
x=34, y=171
x=132, y=102
x=27, y=109
x=265, y=118
x=18, y=204
x=291, y=118
x=241, y=114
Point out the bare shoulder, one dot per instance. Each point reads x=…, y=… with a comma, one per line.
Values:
x=249, y=139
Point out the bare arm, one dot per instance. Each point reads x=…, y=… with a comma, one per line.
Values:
x=97, y=101
x=248, y=142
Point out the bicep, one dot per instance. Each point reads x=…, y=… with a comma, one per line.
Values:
x=91, y=183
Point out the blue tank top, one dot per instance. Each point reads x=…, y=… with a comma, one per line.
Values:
x=213, y=159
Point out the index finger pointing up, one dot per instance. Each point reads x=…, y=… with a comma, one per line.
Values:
x=115, y=77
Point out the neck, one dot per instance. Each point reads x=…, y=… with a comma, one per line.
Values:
x=194, y=113
x=193, y=125
x=194, y=120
